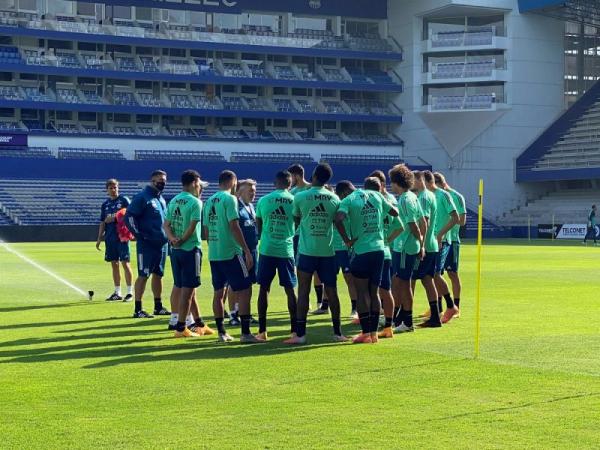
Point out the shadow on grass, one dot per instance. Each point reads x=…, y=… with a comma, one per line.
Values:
x=141, y=341
x=9, y=309
x=16, y=326
x=128, y=351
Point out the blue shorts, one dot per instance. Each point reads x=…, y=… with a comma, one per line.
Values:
x=151, y=259
x=451, y=264
x=325, y=266
x=268, y=266
x=426, y=267
x=116, y=250
x=440, y=262
x=404, y=265
x=186, y=266
x=342, y=259
x=368, y=266
x=232, y=272
x=386, y=275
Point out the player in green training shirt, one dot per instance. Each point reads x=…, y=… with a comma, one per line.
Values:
x=446, y=218
x=342, y=255
x=407, y=249
x=366, y=209
x=426, y=270
x=314, y=212
x=182, y=226
x=229, y=255
x=392, y=227
x=275, y=220
x=299, y=184
x=452, y=260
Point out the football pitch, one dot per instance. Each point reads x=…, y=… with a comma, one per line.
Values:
x=80, y=374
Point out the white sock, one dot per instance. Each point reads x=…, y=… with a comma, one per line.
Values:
x=174, y=318
x=118, y=290
x=236, y=308
x=130, y=290
x=189, y=320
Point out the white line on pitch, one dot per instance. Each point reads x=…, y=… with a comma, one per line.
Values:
x=41, y=268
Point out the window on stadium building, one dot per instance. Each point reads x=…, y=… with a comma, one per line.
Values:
x=144, y=14
x=121, y=12
x=8, y=5
x=582, y=60
x=86, y=9
x=29, y=5
x=58, y=7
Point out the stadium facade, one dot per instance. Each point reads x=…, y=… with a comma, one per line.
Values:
x=465, y=87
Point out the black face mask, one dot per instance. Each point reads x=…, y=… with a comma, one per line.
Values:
x=160, y=186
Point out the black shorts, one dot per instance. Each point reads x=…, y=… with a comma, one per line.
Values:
x=368, y=266
x=186, y=266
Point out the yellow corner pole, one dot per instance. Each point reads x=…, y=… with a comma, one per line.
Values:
x=478, y=286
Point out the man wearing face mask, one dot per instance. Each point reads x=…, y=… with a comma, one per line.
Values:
x=145, y=217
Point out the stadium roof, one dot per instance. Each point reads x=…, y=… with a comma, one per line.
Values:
x=581, y=11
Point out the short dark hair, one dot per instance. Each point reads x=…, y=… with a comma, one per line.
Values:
x=296, y=169
x=418, y=175
x=226, y=176
x=428, y=176
x=189, y=176
x=323, y=173
x=402, y=176
x=157, y=173
x=283, y=178
x=344, y=187
x=112, y=182
x=379, y=175
x=372, y=184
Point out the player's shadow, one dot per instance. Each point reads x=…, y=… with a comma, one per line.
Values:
x=128, y=351
x=9, y=309
x=38, y=325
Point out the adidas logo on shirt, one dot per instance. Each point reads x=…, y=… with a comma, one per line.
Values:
x=319, y=209
x=279, y=212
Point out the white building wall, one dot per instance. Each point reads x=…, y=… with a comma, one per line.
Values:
x=535, y=97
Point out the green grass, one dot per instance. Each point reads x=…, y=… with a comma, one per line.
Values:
x=75, y=374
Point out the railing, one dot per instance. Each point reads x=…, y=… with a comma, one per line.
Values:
x=192, y=35
x=471, y=36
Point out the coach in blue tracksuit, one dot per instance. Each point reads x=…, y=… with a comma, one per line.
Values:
x=144, y=218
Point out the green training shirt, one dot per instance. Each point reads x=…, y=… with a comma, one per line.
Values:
x=182, y=210
x=277, y=236
x=316, y=208
x=296, y=190
x=221, y=208
x=390, y=224
x=366, y=210
x=461, y=208
x=338, y=242
x=429, y=207
x=445, y=206
x=410, y=212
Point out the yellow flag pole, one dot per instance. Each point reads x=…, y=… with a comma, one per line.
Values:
x=478, y=286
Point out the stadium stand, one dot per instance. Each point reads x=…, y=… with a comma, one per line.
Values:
x=178, y=155
x=334, y=159
x=290, y=158
x=562, y=206
x=25, y=152
x=86, y=153
x=572, y=142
